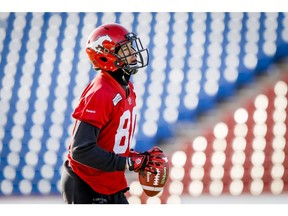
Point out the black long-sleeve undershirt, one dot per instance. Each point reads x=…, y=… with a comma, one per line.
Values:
x=85, y=150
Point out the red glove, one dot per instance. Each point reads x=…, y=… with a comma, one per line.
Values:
x=137, y=161
x=132, y=152
x=148, y=160
x=157, y=159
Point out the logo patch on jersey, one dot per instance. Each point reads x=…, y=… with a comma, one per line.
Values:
x=98, y=43
x=90, y=111
x=116, y=99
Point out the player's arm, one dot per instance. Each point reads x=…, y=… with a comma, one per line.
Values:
x=85, y=150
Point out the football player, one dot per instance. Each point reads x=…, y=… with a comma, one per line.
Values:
x=105, y=118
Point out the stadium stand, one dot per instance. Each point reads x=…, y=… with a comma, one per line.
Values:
x=241, y=151
x=197, y=61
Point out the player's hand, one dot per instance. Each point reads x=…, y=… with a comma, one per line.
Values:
x=132, y=152
x=137, y=161
x=149, y=160
x=156, y=160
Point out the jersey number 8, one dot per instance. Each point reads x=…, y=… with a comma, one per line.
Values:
x=125, y=131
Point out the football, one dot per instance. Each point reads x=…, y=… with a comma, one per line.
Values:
x=154, y=182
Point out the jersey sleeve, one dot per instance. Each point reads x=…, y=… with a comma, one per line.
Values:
x=85, y=150
x=94, y=108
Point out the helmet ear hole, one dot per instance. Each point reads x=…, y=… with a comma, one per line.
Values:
x=117, y=63
x=104, y=59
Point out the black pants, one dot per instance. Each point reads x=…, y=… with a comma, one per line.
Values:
x=76, y=191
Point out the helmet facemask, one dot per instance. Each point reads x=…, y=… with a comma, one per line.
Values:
x=141, y=54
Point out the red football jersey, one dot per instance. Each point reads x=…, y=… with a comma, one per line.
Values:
x=104, y=104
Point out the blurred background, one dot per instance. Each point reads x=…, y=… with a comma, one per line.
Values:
x=214, y=97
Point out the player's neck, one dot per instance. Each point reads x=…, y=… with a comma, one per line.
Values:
x=122, y=79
